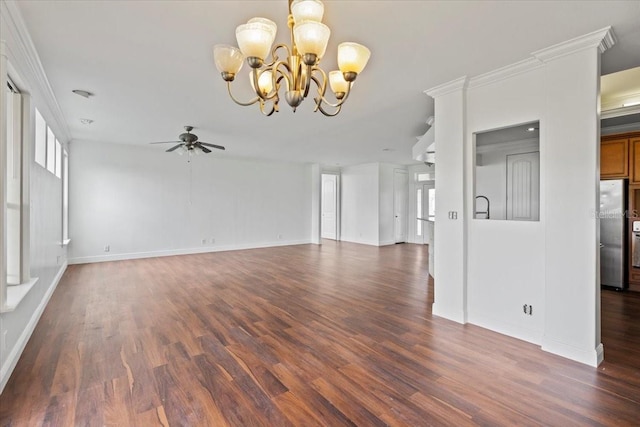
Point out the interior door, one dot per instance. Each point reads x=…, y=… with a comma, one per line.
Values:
x=400, y=196
x=523, y=186
x=329, y=223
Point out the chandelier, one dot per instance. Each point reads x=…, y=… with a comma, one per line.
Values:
x=299, y=68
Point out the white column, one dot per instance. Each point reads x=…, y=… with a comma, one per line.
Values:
x=451, y=221
x=572, y=127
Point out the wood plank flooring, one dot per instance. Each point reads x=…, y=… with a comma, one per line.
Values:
x=332, y=335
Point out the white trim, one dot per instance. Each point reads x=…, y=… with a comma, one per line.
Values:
x=505, y=328
x=631, y=127
x=529, y=143
x=603, y=39
x=16, y=351
x=174, y=252
x=449, y=87
x=618, y=112
x=15, y=294
x=458, y=316
x=592, y=357
x=504, y=73
x=24, y=60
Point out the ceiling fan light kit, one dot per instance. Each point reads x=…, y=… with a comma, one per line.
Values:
x=188, y=143
x=299, y=69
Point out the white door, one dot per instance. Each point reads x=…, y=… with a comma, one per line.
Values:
x=329, y=223
x=400, y=193
x=523, y=187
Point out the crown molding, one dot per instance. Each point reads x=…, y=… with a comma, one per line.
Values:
x=30, y=76
x=522, y=144
x=449, y=87
x=603, y=39
x=617, y=112
x=618, y=101
x=505, y=72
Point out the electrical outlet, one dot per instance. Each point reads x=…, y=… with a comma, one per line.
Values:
x=204, y=241
x=527, y=309
x=3, y=344
x=213, y=240
x=58, y=260
x=107, y=248
x=279, y=236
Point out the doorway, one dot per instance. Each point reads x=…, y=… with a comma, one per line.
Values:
x=329, y=207
x=400, y=193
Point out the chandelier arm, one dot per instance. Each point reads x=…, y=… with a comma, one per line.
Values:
x=322, y=110
x=321, y=99
x=274, y=55
x=307, y=86
x=273, y=108
x=286, y=75
x=322, y=88
x=244, y=104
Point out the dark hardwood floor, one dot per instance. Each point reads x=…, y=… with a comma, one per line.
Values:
x=331, y=335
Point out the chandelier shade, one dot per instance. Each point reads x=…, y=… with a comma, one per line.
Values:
x=352, y=57
x=256, y=37
x=291, y=70
x=307, y=10
x=311, y=37
x=228, y=59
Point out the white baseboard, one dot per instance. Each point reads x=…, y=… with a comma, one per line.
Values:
x=188, y=251
x=506, y=328
x=592, y=357
x=10, y=364
x=458, y=316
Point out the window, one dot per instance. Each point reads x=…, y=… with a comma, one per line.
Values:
x=13, y=188
x=507, y=173
x=41, y=140
x=58, y=167
x=51, y=151
x=65, y=197
x=419, y=212
x=432, y=204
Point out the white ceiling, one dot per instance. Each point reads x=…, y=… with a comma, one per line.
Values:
x=150, y=66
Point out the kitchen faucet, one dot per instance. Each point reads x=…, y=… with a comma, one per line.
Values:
x=488, y=204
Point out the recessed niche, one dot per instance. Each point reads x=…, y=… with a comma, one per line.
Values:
x=507, y=173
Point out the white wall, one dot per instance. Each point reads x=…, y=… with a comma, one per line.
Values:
x=141, y=201
x=359, y=200
x=553, y=263
x=367, y=203
x=47, y=256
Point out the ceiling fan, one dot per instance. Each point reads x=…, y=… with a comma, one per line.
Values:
x=189, y=143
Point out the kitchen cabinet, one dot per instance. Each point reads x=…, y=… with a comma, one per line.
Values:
x=634, y=144
x=614, y=158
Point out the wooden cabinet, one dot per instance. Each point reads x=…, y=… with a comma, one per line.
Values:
x=634, y=144
x=614, y=158
x=620, y=158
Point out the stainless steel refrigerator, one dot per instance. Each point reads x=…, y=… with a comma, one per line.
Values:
x=612, y=233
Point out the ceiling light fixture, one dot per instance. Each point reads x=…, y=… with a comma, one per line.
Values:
x=82, y=93
x=86, y=121
x=309, y=37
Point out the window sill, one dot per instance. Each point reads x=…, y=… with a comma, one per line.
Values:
x=15, y=294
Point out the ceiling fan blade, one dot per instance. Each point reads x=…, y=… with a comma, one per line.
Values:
x=219, y=147
x=174, y=148
x=204, y=149
x=165, y=142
